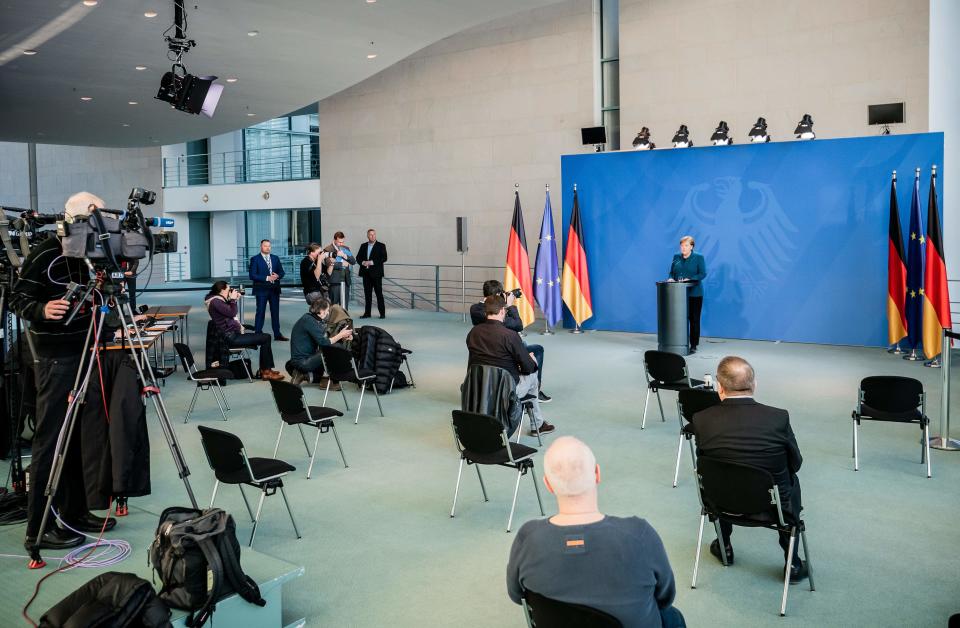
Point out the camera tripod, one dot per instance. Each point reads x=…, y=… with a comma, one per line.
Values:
x=113, y=298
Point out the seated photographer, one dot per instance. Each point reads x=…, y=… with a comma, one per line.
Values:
x=308, y=335
x=491, y=344
x=512, y=321
x=221, y=303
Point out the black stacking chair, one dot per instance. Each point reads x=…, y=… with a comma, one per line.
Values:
x=405, y=359
x=341, y=367
x=294, y=410
x=746, y=496
x=207, y=379
x=482, y=440
x=689, y=402
x=893, y=399
x=664, y=371
x=230, y=465
x=543, y=612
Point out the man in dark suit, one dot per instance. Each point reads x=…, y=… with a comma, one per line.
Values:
x=371, y=257
x=744, y=431
x=266, y=273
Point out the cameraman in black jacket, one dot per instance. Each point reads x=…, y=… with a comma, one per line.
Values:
x=37, y=298
x=492, y=287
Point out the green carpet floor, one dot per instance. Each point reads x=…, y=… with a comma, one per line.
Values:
x=381, y=550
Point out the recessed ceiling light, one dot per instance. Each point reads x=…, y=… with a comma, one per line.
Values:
x=372, y=55
x=125, y=124
x=252, y=33
x=29, y=53
x=86, y=98
x=132, y=102
x=150, y=13
x=140, y=68
x=250, y=115
x=371, y=1
x=90, y=3
x=232, y=79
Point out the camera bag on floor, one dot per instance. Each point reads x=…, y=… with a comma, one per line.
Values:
x=111, y=599
x=197, y=556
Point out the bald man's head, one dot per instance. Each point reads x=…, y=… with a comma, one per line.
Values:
x=80, y=204
x=570, y=467
x=736, y=376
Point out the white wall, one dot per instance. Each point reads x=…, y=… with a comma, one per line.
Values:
x=945, y=116
x=226, y=233
x=279, y=195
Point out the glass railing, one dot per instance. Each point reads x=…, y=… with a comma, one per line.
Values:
x=290, y=163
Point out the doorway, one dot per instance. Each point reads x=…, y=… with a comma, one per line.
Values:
x=199, y=245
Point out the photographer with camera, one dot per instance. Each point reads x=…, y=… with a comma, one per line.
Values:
x=37, y=297
x=312, y=277
x=511, y=320
x=221, y=304
x=308, y=335
x=338, y=268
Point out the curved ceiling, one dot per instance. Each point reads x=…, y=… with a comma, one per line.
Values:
x=304, y=51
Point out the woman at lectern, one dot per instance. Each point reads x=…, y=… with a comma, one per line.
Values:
x=689, y=266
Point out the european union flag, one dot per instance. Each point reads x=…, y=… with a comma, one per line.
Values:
x=546, y=273
x=914, y=307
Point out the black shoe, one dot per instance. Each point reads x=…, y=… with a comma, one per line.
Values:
x=693, y=350
x=798, y=572
x=715, y=550
x=544, y=397
x=365, y=316
x=281, y=338
x=56, y=538
x=546, y=428
x=383, y=316
x=527, y=397
x=91, y=523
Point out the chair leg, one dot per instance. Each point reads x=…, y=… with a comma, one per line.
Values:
x=483, y=487
x=806, y=557
x=363, y=388
x=676, y=471
x=373, y=387
x=326, y=391
x=246, y=503
x=343, y=393
x=213, y=496
x=663, y=417
x=336, y=437
x=536, y=487
x=243, y=360
x=696, y=561
x=456, y=491
x=304, y=439
x=856, y=448
x=313, y=456
x=723, y=546
x=786, y=571
x=926, y=446
x=219, y=405
x=276, y=447
x=222, y=395
x=693, y=455
x=520, y=427
x=256, y=518
x=646, y=401
x=513, y=506
x=283, y=494
x=193, y=402
x=410, y=373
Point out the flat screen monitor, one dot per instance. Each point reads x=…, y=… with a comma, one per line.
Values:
x=891, y=113
x=593, y=135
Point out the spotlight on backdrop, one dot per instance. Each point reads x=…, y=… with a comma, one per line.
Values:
x=721, y=136
x=682, y=138
x=804, y=130
x=642, y=140
x=758, y=134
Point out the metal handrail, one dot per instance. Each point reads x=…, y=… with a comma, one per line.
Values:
x=281, y=163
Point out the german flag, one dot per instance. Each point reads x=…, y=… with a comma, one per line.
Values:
x=517, y=273
x=575, y=281
x=936, y=296
x=896, y=273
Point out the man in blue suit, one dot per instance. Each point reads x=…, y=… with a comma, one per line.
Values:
x=266, y=273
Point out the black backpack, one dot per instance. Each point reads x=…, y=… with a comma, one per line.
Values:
x=197, y=556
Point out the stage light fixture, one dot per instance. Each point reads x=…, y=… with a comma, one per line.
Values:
x=804, y=130
x=184, y=91
x=682, y=138
x=721, y=136
x=758, y=134
x=642, y=140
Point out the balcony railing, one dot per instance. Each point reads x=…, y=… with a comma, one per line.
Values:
x=290, y=163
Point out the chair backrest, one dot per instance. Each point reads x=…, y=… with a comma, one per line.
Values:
x=337, y=360
x=736, y=489
x=543, y=612
x=693, y=400
x=186, y=356
x=479, y=433
x=891, y=393
x=664, y=366
x=224, y=451
x=288, y=397
x=491, y=390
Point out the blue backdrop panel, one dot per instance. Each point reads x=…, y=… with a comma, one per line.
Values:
x=794, y=233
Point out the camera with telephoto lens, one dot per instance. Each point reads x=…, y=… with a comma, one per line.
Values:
x=516, y=292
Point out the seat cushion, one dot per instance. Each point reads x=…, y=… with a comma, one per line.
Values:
x=267, y=467
x=500, y=456
x=213, y=374
x=677, y=385
x=319, y=413
x=908, y=416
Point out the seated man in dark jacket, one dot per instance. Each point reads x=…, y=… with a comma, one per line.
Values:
x=744, y=431
x=492, y=344
x=511, y=320
x=308, y=335
x=221, y=304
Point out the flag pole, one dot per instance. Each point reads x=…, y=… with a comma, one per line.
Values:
x=913, y=356
x=895, y=349
x=546, y=321
x=516, y=190
x=944, y=441
x=934, y=362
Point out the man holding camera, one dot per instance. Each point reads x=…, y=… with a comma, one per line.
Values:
x=511, y=320
x=312, y=277
x=37, y=298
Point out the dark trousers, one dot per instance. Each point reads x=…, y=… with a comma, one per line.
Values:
x=670, y=617
x=694, y=307
x=273, y=298
x=313, y=364
x=537, y=351
x=373, y=284
x=132, y=293
x=55, y=377
x=260, y=341
x=793, y=505
x=335, y=294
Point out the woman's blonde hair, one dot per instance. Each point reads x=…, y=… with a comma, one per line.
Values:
x=688, y=239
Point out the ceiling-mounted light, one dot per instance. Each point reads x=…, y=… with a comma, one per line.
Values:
x=30, y=52
x=232, y=79
x=139, y=68
x=150, y=13
x=371, y=54
x=721, y=136
x=758, y=134
x=90, y=3
x=804, y=130
x=682, y=138
x=184, y=91
x=642, y=140
x=250, y=115
x=86, y=98
x=252, y=33
x=132, y=102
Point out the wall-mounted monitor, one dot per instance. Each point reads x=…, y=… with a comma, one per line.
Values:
x=891, y=113
x=593, y=135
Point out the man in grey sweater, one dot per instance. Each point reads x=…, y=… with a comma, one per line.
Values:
x=581, y=556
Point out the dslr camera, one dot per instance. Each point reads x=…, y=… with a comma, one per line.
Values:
x=516, y=292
